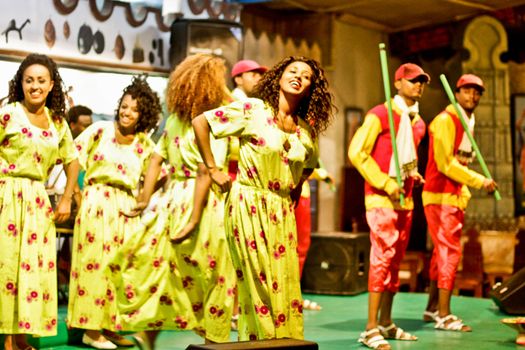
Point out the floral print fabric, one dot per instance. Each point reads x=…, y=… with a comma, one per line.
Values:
x=113, y=171
x=28, y=280
x=259, y=221
x=195, y=278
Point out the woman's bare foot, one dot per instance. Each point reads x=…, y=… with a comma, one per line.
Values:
x=10, y=343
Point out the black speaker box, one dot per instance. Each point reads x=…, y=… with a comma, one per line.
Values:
x=337, y=263
x=222, y=38
x=260, y=344
x=510, y=294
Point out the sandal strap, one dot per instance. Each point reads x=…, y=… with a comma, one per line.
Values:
x=455, y=325
x=401, y=334
x=388, y=328
x=376, y=341
x=373, y=342
x=431, y=314
x=370, y=331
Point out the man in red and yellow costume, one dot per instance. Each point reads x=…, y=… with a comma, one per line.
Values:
x=371, y=153
x=445, y=197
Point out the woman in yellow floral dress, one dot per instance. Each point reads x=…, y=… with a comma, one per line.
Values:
x=278, y=151
x=34, y=136
x=187, y=223
x=114, y=155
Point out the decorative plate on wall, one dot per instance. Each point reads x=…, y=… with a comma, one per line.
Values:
x=50, y=33
x=119, y=48
x=66, y=30
x=98, y=42
x=85, y=39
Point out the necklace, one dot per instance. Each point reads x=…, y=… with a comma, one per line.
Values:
x=287, y=130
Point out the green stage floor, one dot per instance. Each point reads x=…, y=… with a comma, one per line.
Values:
x=338, y=324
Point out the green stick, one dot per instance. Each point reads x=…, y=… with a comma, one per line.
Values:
x=452, y=99
x=386, y=83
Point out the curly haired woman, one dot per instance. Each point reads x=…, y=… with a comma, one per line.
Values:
x=114, y=155
x=278, y=151
x=202, y=279
x=34, y=136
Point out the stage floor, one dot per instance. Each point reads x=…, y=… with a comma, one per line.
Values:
x=338, y=324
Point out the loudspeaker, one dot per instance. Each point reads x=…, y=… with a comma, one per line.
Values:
x=337, y=263
x=510, y=294
x=260, y=344
x=222, y=38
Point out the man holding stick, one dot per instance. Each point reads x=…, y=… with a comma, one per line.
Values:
x=372, y=153
x=445, y=197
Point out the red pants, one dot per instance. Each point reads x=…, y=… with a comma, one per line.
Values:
x=389, y=234
x=445, y=223
x=304, y=228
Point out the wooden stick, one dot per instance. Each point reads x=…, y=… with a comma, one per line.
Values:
x=386, y=83
x=475, y=147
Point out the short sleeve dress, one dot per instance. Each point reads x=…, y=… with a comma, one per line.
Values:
x=113, y=171
x=28, y=275
x=202, y=297
x=259, y=220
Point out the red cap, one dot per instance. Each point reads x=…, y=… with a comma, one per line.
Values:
x=470, y=79
x=410, y=71
x=247, y=66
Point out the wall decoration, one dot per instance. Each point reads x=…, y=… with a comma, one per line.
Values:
x=119, y=48
x=98, y=42
x=85, y=39
x=65, y=7
x=136, y=15
x=517, y=123
x=12, y=27
x=118, y=23
x=102, y=10
x=197, y=6
x=138, y=52
x=215, y=8
x=50, y=33
x=66, y=30
x=160, y=51
x=151, y=57
x=232, y=11
x=157, y=45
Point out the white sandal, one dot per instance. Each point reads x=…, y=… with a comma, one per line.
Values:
x=430, y=315
x=400, y=334
x=451, y=323
x=311, y=305
x=375, y=342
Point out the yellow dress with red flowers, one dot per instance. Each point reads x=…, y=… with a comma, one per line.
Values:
x=28, y=280
x=113, y=171
x=204, y=284
x=260, y=223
